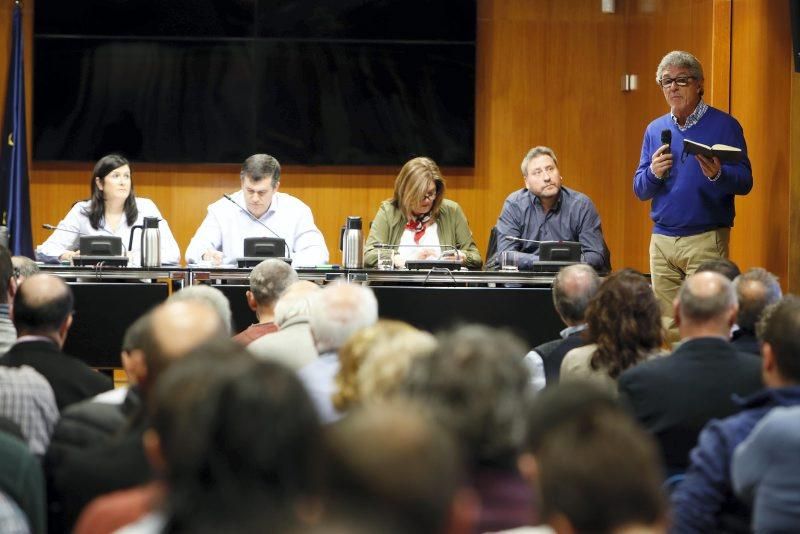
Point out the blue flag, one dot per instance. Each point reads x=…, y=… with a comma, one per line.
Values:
x=15, y=203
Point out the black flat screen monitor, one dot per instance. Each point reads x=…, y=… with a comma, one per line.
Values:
x=335, y=82
x=98, y=245
x=560, y=251
x=264, y=247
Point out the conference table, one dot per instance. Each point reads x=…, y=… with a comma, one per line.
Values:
x=108, y=300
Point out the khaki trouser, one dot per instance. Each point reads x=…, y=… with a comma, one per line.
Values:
x=672, y=259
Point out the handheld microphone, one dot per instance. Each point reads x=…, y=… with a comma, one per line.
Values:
x=51, y=227
x=666, y=139
x=262, y=223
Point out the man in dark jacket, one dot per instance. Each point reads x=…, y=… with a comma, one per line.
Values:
x=573, y=288
x=756, y=289
x=704, y=502
x=675, y=396
x=42, y=315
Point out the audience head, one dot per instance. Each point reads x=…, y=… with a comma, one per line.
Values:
x=390, y=461
x=241, y=442
x=132, y=353
x=338, y=311
x=624, y=320
x=756, y=289
x=706, y=305
x=211, y=296
x=174, y=329
x=268, y=280
x=573, y=288
x=476, y=385
x=8, y=282
x=111, y=178
x=778, y=331
x=295, y=301
x=43, y=306
x=581, y=492
x=24, y=267
x=599, y=472
x=723, y=266
x=562, y=402
x=419, y=189
x=375, y=360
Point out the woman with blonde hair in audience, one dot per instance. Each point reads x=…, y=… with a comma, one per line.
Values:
x=375, y=360
x=419, y=223
x=623, y=327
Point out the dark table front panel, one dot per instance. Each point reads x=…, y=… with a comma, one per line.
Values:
x=527, y=311
x=103, y=311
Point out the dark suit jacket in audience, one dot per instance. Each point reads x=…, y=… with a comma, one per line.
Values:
x=553, y=352
x=71, y=379
x=746, y=341
x=75, y=476
x=673, y=397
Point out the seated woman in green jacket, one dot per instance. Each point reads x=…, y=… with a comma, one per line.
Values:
x=419, y=222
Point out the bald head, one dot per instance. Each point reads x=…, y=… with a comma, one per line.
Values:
x=42, y=305
x=709, y=299
x=211, y=296
x=338, y=311
x=295, y=301
x=573, y=288
x=175, y=329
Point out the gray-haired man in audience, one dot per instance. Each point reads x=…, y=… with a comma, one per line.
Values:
x=756, y=289
x=268, y=280
x=292, y=345
x=573, y=288
x=338, y=311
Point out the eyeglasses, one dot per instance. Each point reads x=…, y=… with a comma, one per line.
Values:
x=430, y=195
x=681, y=81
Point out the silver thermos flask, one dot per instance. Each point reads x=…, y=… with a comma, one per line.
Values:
x=352, y=244
x=151, y=242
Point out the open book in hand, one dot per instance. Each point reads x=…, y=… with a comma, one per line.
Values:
x=725, y=153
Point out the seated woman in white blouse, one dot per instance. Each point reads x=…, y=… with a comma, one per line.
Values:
x=112, y=210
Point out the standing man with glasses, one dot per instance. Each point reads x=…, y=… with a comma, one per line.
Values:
x=692, y=198
x=544, y=210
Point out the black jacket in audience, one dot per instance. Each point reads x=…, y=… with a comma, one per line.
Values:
x=553, y=352
x=76, y=475
x=746, y=341
x=675, y=396
x=71, y=379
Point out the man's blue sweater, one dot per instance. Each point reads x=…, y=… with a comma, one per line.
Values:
x=686, y=202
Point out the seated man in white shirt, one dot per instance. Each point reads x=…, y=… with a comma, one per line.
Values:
x=258, y=210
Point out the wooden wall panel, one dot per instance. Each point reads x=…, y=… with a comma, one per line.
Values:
x=761, y=72
x=793, y=276
x=548, y=72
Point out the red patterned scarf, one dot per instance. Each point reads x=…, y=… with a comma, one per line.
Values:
x=418, y=226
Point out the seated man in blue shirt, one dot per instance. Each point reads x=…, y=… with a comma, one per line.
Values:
x=544, y=210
